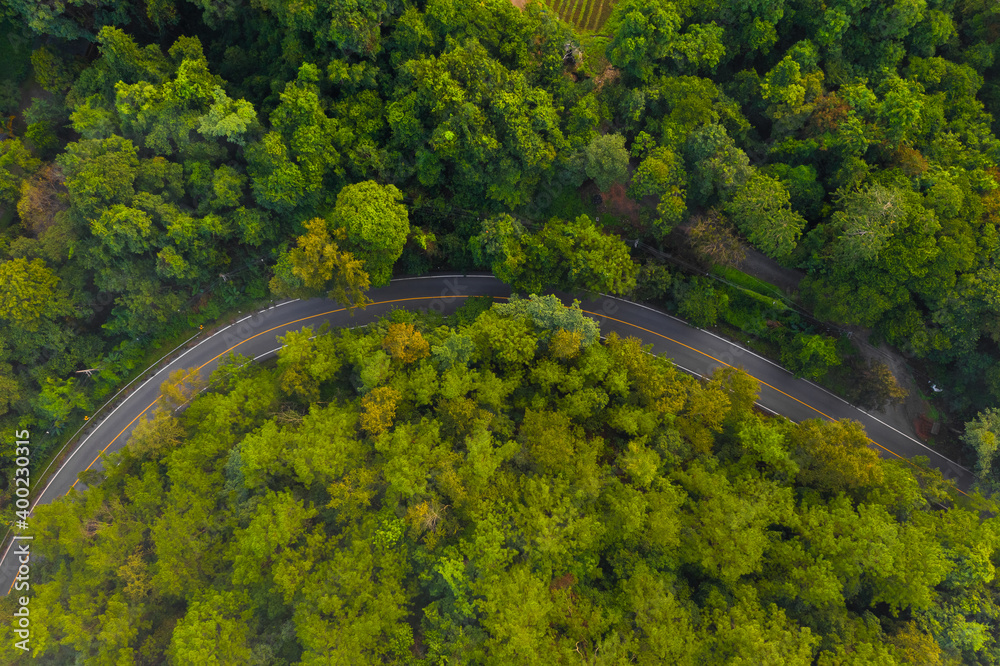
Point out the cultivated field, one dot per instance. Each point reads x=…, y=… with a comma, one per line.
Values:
x=586, y=15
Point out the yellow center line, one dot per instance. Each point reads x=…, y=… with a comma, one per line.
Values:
x=424, y=298
x=677, y=342
x=321, y=314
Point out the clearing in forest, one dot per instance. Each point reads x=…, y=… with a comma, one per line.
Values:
x=585, y=15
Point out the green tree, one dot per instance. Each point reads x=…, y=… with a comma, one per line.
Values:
x=576, y=255
x=500, y=246
x=607, y=160
x=70, y=25
x=700, y=302
x=125, y=60
x=16, y=163
x=810, y=355
x=290, y=165
x=661, y=174
x=982, y=435
x=233, y=119
x=57, y=401
x=99, y=173
x=762, y=210
x=376, y=224
x=716, y=167
x=550, y=316
x=354, y=28
x=867, y=221
x=644, y=33
x=52, y=72
x=213, y=631
x=278, y=182
x=565, y=255
x=30, y=294
x=120, y=229
x=475, y=125
x=723, y=522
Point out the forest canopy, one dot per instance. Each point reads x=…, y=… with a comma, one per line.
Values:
x=503, y=488
x=169, y=159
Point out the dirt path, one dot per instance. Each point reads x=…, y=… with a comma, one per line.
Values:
x=764, y=268
x=902, y=416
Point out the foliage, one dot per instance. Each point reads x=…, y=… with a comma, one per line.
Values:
x=376, y=226
x=876, y=387
x=761, y=209
x=30, y=294
x=810, y=356
x=531, y=503
x=183, y=156
x=701, y=303
x=563, y=254
x=606, y=160
x=662, y=175
x=981, y=435
x=714, y=239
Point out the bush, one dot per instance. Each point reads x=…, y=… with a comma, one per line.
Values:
x=810, y=356
x=746, y=317
x=701, y=303
x=653, y=282
x=740, y=278
x=10, y=97
x=875, y=387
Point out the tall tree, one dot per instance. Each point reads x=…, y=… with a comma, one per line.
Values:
x=762, y=210
x=317, y=265
x=982, y=435
x=607, y=160
x=30, y=294
x=376, y=226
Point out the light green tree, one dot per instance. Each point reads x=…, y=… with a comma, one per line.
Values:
x=606, y=160
x=662, y=175
x=982, y=435
x=213, y=632
x=16, y=163
x=810, y=355
x=376, y=224
x=762, y=210
x=30, y=294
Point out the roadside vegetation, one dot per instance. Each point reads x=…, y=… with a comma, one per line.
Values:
x=502, y=488
x=167, y=161
x=159, y=154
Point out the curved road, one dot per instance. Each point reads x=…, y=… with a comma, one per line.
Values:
x=692, y=349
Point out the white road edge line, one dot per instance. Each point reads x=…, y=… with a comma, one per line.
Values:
x=480, y=276
x=767, y=360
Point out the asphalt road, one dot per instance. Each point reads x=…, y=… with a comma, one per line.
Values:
x=692, y=349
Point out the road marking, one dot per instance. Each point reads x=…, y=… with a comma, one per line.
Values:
x=295, y=321
x=321, y=314
x=419, y=298
x=762, y=382
x=783, y=369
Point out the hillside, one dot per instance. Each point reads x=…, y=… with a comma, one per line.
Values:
x=502, y=488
